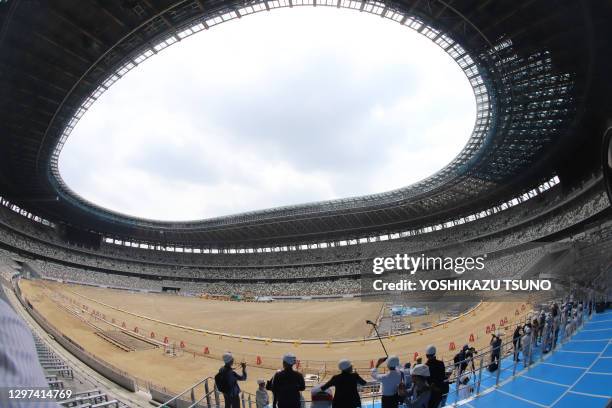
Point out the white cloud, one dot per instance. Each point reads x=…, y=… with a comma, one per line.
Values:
x=279, y=108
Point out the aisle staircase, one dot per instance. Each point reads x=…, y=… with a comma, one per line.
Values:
x=60, y=376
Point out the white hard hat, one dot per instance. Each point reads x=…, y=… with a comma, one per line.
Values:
x=420, y=369
x=289, y=358
x=227, y=357
x=393, y=361
x=344, y=364
x=260, y=381
x=431, y=350
x=527, y=329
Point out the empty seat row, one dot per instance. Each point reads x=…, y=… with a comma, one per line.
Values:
x=57, y=370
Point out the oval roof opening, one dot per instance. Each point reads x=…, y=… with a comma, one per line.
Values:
x=280, y=108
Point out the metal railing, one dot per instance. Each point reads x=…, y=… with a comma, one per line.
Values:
x=542, y=342
x=549, y=337
x=192, y=393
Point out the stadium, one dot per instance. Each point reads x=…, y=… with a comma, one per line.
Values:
x=128, y=311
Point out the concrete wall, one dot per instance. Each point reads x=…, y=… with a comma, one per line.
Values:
x=112, y=373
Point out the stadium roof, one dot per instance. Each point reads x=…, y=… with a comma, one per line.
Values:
x=539, y=72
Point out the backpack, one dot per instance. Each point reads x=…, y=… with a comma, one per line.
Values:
x=221, y=381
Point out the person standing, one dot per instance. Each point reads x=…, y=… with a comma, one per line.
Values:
x=569, y=328
x=470, y=353
x=516, y=342
x=526, y=346
x=555, y=310
x=460, y=360
x=556, y=329
x=437, y=377
x=496, y=344
x=564, y=312
x=547, y=337
x=262, y=400
x=227, y=381
x=541, y=322
x=389, y=381
x=346, y=394
x=535, y=330
x=407, y=376
x=579, y=315
x=287, y=384
x=419, y=394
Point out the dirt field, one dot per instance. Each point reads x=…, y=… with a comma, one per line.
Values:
x=201, y=353
x=307, y=320
x=126, y=340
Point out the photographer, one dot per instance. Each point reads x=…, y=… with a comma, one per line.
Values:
x=464, y=358
x=227, y=379
x=389, y=382
x=470, y=354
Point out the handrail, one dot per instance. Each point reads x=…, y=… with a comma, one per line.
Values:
x=205, y=396
x=190, y=390
x=556, y=337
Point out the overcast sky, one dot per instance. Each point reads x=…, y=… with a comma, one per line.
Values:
x=286, y=107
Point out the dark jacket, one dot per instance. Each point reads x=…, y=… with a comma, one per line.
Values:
x=437, y=381
x=437, y=375
x=516, y=336
x=286, y=386
x=232, y=378
x=345, y=395
x=496, y=345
